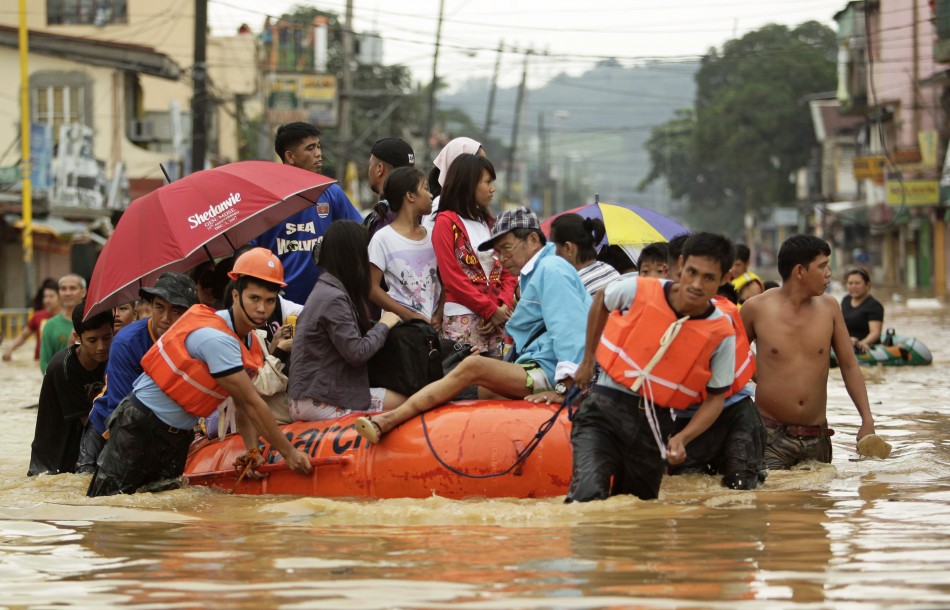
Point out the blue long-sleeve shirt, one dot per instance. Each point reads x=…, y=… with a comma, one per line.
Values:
x=553, y=295
x=293, y=240
x=124, y=366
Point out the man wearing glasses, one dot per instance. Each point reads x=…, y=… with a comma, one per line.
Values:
x=547, y=328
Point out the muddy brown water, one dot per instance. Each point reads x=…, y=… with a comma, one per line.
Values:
x=856, y=534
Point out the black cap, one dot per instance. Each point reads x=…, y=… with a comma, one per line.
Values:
x=394, y=151
x=176, y=288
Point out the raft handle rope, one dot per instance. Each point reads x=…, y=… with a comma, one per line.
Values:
x=244, y=463
x=643, y=377
x=523, y=455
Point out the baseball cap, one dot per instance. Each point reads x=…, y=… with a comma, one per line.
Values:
x=520, y=218
x=176, y=288
x=394, y=151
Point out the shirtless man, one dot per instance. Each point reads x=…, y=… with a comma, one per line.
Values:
x=794, y=328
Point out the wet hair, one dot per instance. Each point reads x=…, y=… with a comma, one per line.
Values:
x=710, y=245
x=657, y=252
x=458, y=194
x=728, y=290
x=400, y=182
x=617, y=257
x=858, y=271
x=94, y=323
x=743, y=253
x=245, y=281
x=48, y=284
x=585, y=233
x=675, y=247
x=800, y=250
x=291, y=134
x=434, y=187
x=344, y=254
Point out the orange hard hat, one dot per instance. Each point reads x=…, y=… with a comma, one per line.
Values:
x=259, y=263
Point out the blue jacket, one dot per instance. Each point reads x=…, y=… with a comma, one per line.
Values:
x=552, y=294
x=293, y=240
x=124, y=366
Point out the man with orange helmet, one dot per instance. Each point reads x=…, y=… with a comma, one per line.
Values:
x=202, y=359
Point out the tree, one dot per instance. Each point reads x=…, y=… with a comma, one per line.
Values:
x=733, y=154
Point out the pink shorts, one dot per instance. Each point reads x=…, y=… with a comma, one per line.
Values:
x=464, y=329
x=306, y=409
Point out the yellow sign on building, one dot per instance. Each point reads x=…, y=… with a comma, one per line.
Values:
x=869, y=168
x=913, y=192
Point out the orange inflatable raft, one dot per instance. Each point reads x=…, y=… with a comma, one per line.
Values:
x=452, y=451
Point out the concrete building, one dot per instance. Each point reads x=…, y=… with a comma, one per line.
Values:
x=112, y=77
x=886, y=70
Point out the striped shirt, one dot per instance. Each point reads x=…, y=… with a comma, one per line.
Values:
x=597, y=275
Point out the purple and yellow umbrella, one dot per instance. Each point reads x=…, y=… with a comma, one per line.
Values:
x=631, y=226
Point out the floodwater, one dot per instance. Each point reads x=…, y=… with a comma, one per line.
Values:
x=857, y=534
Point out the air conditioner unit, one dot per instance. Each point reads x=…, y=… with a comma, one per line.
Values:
x=141, y=131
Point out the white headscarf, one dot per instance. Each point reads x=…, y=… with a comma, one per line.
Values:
x=451, y=151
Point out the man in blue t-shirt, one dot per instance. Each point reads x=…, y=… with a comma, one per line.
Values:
x=298, y=144
x=171, y=296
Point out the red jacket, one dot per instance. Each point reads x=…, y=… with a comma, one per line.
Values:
x=463, y=278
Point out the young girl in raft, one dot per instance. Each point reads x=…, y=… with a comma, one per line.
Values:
x=334, y=336
x=402, y=253
x=479, y=293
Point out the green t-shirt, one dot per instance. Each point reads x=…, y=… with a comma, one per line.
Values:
x=55, y=337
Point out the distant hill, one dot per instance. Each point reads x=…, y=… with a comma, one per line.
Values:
x=597, y=124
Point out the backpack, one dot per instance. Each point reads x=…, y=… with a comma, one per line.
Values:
x=410, y=359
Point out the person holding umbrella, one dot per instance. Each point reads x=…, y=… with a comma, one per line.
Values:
x=298, y=144
x=201, y=360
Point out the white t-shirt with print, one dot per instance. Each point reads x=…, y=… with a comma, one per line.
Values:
x=409, y=268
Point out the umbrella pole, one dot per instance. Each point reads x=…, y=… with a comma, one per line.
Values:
x=165, y=172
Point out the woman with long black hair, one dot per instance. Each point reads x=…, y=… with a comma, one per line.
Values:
x=335, y=337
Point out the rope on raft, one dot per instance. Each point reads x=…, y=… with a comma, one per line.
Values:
x=523, y=455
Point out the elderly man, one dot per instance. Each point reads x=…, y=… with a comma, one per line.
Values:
x=57, y=330
x=547, y=329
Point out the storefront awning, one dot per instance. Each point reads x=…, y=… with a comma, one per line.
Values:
x=58, y=227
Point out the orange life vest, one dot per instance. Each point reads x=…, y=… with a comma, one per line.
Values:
x=184, y=378
x=630, y=340
x=745, y=359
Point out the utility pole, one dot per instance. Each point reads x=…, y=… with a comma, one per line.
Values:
x=430, y=114
x=519, y=104
x=491, y=94
x=346, y=113
x=544, y=165
x=26, y=164
x=199, y=99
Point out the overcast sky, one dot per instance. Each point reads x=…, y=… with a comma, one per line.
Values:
x=573, y=38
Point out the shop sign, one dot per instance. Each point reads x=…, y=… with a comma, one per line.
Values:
x=869, y=168
x=912, y=192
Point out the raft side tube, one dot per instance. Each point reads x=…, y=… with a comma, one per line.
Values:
x=473, y=440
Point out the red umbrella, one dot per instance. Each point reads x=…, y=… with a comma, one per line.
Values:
x=204, y=215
